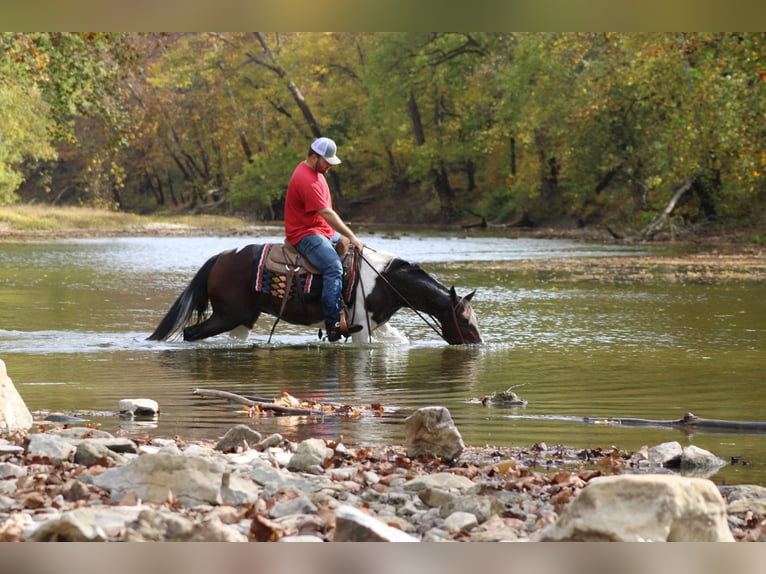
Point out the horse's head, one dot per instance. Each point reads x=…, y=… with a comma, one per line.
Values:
x=459, y=323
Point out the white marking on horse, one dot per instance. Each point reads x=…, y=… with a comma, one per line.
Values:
x=373, y=264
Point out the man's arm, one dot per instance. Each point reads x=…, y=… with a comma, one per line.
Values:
x=337, y=224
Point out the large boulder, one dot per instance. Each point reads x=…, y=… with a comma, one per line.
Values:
x=156, y=478
x=14, y=414
x=354, y=525
x=431, y=431
x=653, y=508
x=310, y=456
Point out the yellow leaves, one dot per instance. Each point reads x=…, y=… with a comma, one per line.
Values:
x=506, y=466
x=287, y=404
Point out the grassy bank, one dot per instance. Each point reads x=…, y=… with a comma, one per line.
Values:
x=37, y=220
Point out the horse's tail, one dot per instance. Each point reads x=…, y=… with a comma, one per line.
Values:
x=193, y=300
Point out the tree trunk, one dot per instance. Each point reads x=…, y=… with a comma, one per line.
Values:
x=654, y=227
x=512, y=145
x=445, y=192
x=273, y=64
x=417, y=123
x=173, y=197
x=243, y=141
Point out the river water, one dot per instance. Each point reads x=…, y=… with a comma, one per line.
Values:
x=75, y=314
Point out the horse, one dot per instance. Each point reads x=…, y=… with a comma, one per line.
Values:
x=382, y=285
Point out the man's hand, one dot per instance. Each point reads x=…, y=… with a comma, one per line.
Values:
x=338, y=225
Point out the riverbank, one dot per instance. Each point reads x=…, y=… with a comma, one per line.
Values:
x=727, y=257
x=80, y=484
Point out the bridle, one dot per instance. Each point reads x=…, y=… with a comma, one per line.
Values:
x=403, y=298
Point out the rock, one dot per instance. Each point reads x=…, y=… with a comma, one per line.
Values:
x=64, y=419
x=299, y=505
x=435, y=497
x=76, y=526
x=238, y=438
x=353, y=525
x=504, y=399
x=653, y=508
x=156, y=526
x=52, y=447
x=498, y=529
x=273, y=479
x=443, y=481
x=744, y=498
x=310, y=456
x=213, y=530
x=10, y=470
x=270, y=441
x=7, y=447
x=460, y=522
x=139, y=407
x=90, y=452
x=666, y=454
x=155, y=477
x=694, y=457
x=238, y=490
x=481, y=507
x=430, y=430
x=81, y=433
x=301, y=523
x=14, y=414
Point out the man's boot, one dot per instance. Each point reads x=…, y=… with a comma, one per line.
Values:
x=342, y=329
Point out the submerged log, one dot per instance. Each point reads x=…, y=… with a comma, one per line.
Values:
x=265, y=404
x=289, y=405
x=689, y=420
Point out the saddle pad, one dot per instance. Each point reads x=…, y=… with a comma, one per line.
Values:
x=275, y=283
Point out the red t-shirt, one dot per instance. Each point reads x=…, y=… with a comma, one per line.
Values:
x=307, y=193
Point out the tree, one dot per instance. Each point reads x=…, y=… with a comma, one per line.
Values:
x=24, y=129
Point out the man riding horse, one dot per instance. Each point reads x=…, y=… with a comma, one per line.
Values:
x=313, y=227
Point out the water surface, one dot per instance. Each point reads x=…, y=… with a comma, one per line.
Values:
x=75, y=314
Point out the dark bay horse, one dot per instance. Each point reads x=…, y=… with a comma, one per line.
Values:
x=228, y=282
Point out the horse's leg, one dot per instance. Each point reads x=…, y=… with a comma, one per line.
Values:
x=231, y=297
x=216, y=324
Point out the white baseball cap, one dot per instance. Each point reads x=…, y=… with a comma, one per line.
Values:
x=326, y=148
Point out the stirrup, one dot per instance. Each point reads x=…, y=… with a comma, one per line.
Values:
x=340, y=329
x=345, y=329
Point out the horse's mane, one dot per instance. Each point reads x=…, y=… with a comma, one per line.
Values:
x=377, y=258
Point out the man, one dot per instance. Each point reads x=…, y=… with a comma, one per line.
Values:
x=314, y=228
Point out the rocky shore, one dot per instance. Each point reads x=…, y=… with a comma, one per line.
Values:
x=84, y=484
x=81, y=484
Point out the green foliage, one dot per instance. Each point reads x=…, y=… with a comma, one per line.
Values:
x=263, y=182
x=24, y=126
x=525, y=128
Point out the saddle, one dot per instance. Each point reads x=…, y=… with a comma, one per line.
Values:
x=283, y=272
x=286, y=260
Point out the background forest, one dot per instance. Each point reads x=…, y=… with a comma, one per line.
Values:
x=619, y=130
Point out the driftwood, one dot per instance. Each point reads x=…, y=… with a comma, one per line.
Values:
x=289, y=405
x=689, y=421
x=505, y=398
x=265, y=404
x=656, y=224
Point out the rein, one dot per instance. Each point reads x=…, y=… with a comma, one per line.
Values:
x=403, y=298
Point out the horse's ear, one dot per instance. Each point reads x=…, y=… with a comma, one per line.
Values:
x=453, y=295
x=470, y=295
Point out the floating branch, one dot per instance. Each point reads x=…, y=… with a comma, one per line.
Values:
x=289, y=405
x=689, y=420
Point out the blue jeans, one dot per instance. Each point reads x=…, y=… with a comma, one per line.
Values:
x=320, y=251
